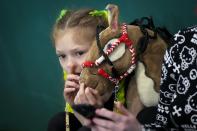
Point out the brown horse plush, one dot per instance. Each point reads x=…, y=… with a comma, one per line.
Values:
x=116, y=53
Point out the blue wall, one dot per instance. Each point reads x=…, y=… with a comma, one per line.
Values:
x=31, y=83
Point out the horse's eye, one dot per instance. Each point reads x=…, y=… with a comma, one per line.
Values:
x=109, y=44
x=117, y=52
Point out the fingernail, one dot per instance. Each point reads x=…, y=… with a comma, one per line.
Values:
x=88, y=88
x=97, y=110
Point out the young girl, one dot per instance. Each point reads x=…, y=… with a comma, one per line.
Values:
x=73, y=34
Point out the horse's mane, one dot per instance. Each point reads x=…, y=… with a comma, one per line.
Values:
x=147, y=23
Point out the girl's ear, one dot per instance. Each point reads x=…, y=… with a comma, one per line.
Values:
x=113, y=13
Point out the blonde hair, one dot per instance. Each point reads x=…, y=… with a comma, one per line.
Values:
x=80, y=18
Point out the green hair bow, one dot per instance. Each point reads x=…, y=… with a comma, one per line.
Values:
x=102, y=13
x=62, y=13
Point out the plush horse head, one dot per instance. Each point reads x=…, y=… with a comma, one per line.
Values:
x=117, y=52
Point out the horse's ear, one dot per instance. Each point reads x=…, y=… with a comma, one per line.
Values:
x=113, y=13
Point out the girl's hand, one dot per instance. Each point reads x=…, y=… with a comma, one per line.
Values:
x=71, y=88
x=82, y=119
x=93, y=97
x=88, y=96
x=118, y=122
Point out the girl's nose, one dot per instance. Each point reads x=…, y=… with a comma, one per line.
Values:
x=71, y=66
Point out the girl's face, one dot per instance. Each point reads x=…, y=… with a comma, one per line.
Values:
x=72, y=47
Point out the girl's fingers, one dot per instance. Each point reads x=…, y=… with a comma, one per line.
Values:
x=97, y=95
x=81, y=97
x=106, y=124
x=110, y=115
x=73, y=77
x=90, y=96
x=82, y=86
x=98, y=128
x=83, y=119
x=93, y=97
x=71, y=84
x=94, y=91
x=81, y=92
x=69, y=90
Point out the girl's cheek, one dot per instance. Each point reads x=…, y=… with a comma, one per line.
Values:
x=63, y=66
x=61, y=63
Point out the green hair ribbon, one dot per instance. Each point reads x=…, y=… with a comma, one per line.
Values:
x=62, y=13
x=102, y=13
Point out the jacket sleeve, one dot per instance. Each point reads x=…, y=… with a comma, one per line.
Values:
x=169, y=76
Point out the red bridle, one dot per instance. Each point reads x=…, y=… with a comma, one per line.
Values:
x=123, y=39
